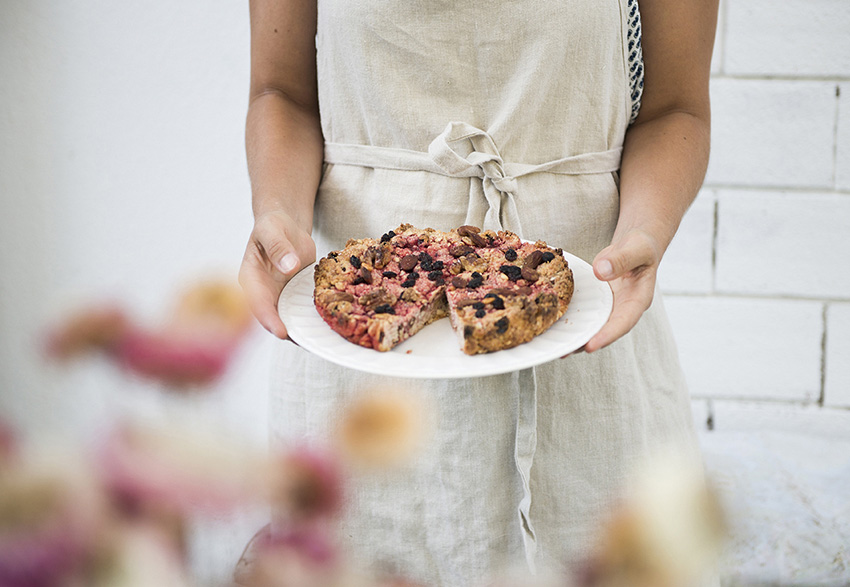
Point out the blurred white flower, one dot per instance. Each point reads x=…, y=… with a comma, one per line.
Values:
x=383, y=428
x=668, y=533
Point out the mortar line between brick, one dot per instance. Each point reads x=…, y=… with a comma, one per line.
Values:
x=721, y=32
x=756, y=77
x=752, y=296
x=709, y=421
x=835, y=137
x=823, y=365
x=826, y=190
x=715, y=230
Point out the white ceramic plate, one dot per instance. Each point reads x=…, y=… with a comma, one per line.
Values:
x=433, y=352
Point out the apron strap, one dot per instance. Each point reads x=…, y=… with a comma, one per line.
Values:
x=463, y=150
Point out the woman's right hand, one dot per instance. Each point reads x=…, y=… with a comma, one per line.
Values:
x=277, y=249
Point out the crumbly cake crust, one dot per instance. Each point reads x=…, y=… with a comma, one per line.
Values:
x=498, y=291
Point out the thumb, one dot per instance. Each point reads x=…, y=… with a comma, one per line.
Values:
x=287, y=263
x=625, y=255
x=280, y=252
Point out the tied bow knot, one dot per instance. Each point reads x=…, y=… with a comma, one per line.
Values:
x=462, y=150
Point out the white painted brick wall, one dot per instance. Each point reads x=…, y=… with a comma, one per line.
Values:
x=837, y=375
x=687, y=266
x=791, y=37
x=750, y=348
x=758, y=277
x=772, y=133
x=775, y=243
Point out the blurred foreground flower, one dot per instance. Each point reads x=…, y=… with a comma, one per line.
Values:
x=140, y=555
x=383, y=427
x=668, y=533
x=51, y=515
x=181, y=471
x=303, y=558
x=306, y=486
x=193, y=348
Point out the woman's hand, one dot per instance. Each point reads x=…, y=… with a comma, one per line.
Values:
x=630, y=265
x=277, y=249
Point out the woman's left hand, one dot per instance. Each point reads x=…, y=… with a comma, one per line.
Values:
x=630, y=265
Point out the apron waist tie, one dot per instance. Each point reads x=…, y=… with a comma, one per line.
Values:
x=462, y=150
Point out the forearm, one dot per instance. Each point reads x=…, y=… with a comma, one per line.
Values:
x=663, y=166
x=285, y=148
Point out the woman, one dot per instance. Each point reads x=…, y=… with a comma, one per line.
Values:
x=346, y=99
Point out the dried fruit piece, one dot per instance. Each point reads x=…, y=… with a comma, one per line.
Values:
x=408, y=262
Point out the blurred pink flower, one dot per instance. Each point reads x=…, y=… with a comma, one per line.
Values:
x=194, y=347
x=180, y=470
x=306, y=485
x=306, y=557
x=174, y=359
x=97, y=328
x=51, y=515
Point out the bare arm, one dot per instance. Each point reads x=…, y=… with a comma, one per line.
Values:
x=664, y=157
x=284, y=146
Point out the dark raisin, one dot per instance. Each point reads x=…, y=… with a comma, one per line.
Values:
x=510, y=255
x=440, y=281
x=357, y=280
x=390, y=274
x=384, y=309
x=438, y=265
x=502, y=325
x=468, y=331
x=411, y=279
x=498, y=303
x=333, y=254
x=408, y=262
x=387, y=237
x=547, y=256
x=425, y=257
x=426, y=265
x=512, y=271
x=435, y=275
x=355, y=261
x=480, y=313
x=476, y=275
x=476, y=281
x=478, y=305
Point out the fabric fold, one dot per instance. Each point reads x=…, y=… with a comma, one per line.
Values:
x=524, y=448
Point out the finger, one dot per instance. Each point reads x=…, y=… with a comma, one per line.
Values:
x=575, y=352
x=262, y=292
x=629, y=253
x=623, y=318
x=277, y=248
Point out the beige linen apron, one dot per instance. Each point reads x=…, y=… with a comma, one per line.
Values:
x=499, y=114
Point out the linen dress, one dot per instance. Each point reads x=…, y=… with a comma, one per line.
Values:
x=507, y=114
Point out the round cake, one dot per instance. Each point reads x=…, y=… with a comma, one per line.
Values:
x=497, y=290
